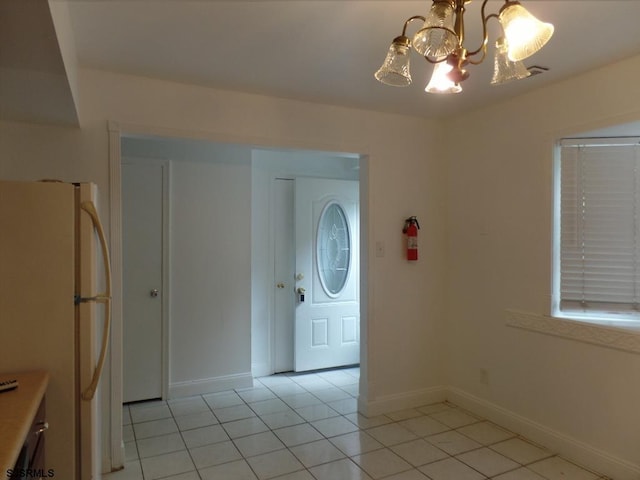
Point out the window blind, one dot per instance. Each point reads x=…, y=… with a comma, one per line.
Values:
x=599, y=225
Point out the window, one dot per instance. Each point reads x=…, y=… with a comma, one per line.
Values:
x=333, y=249
x=597, y=239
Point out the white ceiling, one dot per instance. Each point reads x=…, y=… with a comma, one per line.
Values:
x=327, y=50
x=33, y=81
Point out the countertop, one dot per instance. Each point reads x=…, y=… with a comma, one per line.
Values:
x=18, y=408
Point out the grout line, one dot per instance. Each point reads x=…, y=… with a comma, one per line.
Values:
x=312, y=383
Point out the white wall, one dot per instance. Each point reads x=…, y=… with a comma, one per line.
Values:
x=498, y=220
x=404, y=303
x=210, y=269
x=405, y=178
x=578, y=398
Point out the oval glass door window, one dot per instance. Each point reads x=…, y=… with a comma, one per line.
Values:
x=333, y=245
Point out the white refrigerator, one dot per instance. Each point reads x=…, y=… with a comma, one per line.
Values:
x=53, y=262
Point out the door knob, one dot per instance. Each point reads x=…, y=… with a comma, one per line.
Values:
x=154, y=293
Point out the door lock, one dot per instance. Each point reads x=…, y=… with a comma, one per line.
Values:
x=280, y=285
x=154, y=293
x=301, y=291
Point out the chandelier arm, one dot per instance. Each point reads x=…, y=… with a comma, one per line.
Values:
x=485, y=34
x=435, y=61
x=409, y=20
x=483, y=47
x=481, y=59
x=459, y=22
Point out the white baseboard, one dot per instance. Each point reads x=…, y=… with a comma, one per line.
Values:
x=261, y=370
x=210, y=385
x=402, y=401
x=557, y=442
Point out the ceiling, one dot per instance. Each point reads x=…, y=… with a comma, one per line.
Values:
x=34, y=86
x=327, y=50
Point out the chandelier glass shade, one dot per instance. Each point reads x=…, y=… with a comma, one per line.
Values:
x=441, y=41
x=524, y=32
x=437, y=37
x=505, y=70
x=395, y=69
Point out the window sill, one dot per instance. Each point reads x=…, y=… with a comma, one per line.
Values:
x=611, y=334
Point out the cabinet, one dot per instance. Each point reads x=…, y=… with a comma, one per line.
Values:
x=31, y=456
x=23, y=426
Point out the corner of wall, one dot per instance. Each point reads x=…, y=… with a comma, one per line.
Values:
x=559, y=443
x=401, y=401
x=61, y=19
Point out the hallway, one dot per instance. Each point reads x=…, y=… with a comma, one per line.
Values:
x=306, y=427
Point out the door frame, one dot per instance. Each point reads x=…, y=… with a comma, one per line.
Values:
x=113, y=456
x=165, y=264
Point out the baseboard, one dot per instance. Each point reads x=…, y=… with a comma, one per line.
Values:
x=210, y=385
x=261, y=370
x=402, y=401
x=557, y=442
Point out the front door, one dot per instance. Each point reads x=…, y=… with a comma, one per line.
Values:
x=327, y=238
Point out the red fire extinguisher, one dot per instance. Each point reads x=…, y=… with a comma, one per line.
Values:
x=411, y=227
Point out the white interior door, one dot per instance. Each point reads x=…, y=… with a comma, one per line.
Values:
x=327, y=238
x=142, y=200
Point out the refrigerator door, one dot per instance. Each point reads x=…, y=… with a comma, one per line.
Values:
x=92, y=327
x=37, y=263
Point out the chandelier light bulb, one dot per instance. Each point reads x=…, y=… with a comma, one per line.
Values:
x=524, y=33
x=440, y=82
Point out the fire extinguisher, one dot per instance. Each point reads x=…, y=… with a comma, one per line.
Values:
x=411, y=227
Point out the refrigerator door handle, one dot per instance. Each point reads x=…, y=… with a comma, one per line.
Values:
x=105, y=298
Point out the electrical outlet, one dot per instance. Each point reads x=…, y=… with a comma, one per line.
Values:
x=484, y=376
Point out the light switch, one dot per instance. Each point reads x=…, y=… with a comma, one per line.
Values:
x=379, y=249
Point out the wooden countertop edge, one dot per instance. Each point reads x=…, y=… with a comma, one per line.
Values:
x=18, y=409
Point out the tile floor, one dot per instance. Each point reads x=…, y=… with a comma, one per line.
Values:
x=306, y=427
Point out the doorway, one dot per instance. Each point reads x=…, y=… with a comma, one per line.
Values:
x=316, y=274
x=274, y=308
x=255, y=327
x=270, y=351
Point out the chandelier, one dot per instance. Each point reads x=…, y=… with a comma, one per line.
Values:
x=441, y=42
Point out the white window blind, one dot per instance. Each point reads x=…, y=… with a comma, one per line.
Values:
x=599, y=225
